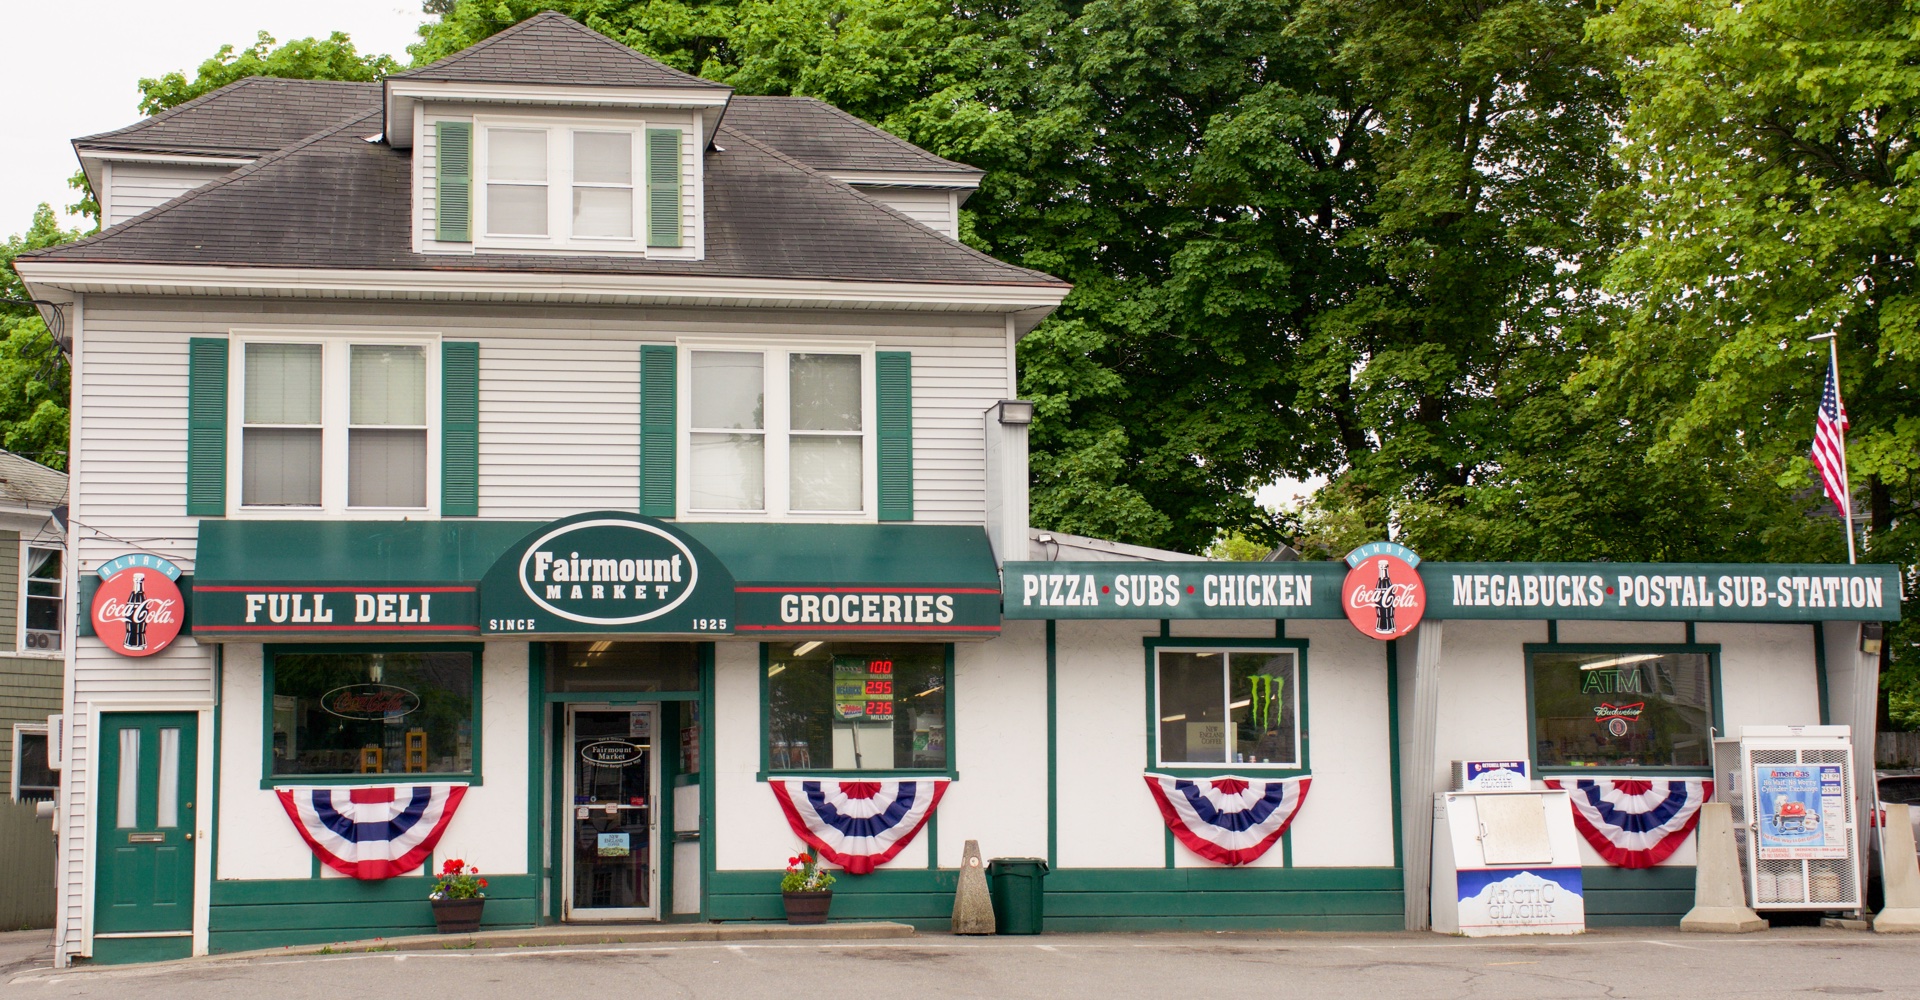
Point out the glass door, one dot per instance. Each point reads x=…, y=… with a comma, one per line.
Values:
x=612, y=818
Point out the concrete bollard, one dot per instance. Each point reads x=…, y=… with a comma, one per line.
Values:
x=972, y=904
x=1719, y=900
x=1899, y=874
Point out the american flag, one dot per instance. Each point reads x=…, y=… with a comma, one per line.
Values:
x=1830, y=442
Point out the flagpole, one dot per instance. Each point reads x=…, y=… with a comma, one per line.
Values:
x=1833, y=348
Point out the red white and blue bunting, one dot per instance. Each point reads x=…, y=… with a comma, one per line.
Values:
x=1229, y=820
x=1638, y=822
x=858, y=825
x=372, y=832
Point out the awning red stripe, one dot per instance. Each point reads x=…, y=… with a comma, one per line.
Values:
x=860, y=589
x=298, y=588
x=866, y=628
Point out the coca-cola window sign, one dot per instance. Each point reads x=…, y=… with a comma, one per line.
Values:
x=138, y=610
x=1383, y=595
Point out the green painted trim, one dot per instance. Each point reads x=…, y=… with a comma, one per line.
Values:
x=1111, y=899
x=459, y=429
x=213, y=794
x=933, y=842
x=1553, y=630
x=536, y=683
x=1820, y=668
x=707, y=846
x=1393, y=744
x=659, y=429
x=766, y=772
x=129, y=951
x=662, y=841
x=1718, y=724
x=1053, y=744
x=1166, y=628
x=616, y=697
x=1690, y=640
x=557, y=752
x=1646, y=897
x=453, y=187
x=893, y=437
x=267, y=653
x=663, y=187
x=270, y=913
x=1279, y=628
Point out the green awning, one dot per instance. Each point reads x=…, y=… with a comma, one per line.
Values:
x=280, y=579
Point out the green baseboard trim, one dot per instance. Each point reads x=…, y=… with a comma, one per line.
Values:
x=273, y=913
x=1637, y=897
x=1090, y=899
x=127, y=951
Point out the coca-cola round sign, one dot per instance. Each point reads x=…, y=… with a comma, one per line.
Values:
x=1383, y=595
x=138, y=609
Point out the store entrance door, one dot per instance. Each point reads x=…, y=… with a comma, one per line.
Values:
x=613, y=817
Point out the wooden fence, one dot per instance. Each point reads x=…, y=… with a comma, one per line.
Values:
x=27, y=849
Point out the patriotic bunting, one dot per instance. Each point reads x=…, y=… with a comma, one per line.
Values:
x=372, y=832
x=1636, y=823
x=858, y=825
x=1229, y=820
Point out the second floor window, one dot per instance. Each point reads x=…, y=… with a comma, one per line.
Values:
x=331, y=425
x=559, y=187
x=45, y=595
x=778, y=432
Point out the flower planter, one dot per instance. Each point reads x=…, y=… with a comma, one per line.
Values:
x=457, y=916
x=807, y=907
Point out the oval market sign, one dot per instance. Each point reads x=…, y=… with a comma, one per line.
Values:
x=370, y=702
x=1383, y=595
x=613, y=753
x=138, y=610
x=606, y=571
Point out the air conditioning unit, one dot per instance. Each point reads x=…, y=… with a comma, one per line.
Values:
x=42, y=640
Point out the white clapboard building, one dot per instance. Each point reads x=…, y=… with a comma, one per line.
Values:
x=550, y=460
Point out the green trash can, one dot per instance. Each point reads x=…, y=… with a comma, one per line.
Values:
x=1019, y=900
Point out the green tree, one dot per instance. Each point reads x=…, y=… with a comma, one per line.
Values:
x=330, y=58
x=34, y=373
x=1774, y=148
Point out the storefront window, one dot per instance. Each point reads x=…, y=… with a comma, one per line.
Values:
x=847, y=706
x=1621, y=708
x=402, y=712
x=624, y=666
x=1221, y=706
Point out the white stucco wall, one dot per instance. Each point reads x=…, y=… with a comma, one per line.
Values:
x=1000, y=744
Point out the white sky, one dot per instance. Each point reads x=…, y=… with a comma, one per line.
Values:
x=73, y=68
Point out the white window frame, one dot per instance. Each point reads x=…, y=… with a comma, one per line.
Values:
x=20, y=632
x=778, y=431
x=560, y=186
x=24, y=729
x=336, y=349
x=1226, y=649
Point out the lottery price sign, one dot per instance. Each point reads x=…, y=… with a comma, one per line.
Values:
x=863, y=688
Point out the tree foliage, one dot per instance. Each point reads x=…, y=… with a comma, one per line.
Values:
x=330, y=58
x=34, y=374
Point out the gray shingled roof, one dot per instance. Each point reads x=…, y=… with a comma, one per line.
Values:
x=826, y=138
x=336, y=200
x=250, y=117
x=552, y=48
x=27, y=482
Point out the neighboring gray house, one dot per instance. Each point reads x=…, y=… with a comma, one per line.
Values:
x=33, y=613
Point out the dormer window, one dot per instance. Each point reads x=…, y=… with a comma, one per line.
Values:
x=575, y=185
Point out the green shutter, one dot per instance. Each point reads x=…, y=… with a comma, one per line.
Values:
x=453, y=193
x=459, y=429
x=893, y=398
x=659, y=419
x=207, y=426
x=663, y=187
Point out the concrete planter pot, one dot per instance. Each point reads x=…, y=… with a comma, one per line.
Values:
x=807, y=907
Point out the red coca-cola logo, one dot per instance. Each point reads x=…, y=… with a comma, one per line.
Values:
x=138, y=611
x=1383, y=595
x=370, y=701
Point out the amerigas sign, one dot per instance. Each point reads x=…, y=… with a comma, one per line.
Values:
x=607, y=572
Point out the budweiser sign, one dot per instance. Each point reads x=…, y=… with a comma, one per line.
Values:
x=138, y=610
x=1383, y=595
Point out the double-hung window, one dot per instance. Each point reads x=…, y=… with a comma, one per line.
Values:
x=335, y=425
x=43, y=586
x=550, y=185
x=779, y=432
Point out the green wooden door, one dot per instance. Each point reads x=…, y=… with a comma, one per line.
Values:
x=143, y=889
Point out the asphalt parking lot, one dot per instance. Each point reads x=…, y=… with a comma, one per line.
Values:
x=1662, y=965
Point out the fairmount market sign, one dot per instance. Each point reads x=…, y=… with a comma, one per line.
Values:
x=1706, y=592
x=607, y=572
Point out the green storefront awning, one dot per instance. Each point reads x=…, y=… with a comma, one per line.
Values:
x=338, y=579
